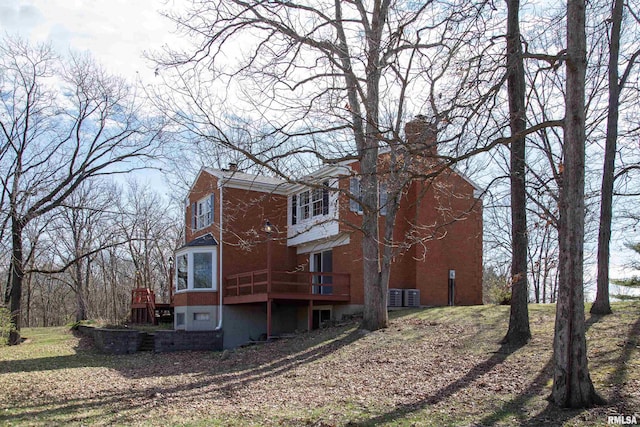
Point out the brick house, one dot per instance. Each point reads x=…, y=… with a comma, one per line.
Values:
x=306, y=267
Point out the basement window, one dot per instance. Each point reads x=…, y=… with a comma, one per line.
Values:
x=179, y=319
x=201, y=316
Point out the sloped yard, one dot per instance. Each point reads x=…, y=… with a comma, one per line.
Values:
x=432, y=367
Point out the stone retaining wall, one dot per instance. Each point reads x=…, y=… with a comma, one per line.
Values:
x=126, y=341
x=113, y=341
x=187, y=340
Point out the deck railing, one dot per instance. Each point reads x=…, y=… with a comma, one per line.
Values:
x=298, y=283
x=146, y=297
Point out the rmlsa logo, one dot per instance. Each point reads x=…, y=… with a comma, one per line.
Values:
x=622, y=420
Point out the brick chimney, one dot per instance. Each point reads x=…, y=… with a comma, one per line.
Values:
x=421, y=136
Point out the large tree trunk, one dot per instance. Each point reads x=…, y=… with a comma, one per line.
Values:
x=601, y=304
x=17, y=274
x=375, y=314
x=519, y=332
x=572, y=386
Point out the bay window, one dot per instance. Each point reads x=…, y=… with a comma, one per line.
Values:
x=196, y=269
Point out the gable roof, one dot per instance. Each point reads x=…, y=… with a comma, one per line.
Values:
x=268, y=184
x=245, y=181
x=205, y=240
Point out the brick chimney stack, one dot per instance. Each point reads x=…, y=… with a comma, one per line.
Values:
x=421, y=136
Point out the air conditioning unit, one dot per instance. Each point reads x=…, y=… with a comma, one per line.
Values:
x=411, y=298
x=394, y=298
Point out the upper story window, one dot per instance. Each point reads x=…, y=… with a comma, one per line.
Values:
x=310, y=203
x=202, y=213
x=355, y=190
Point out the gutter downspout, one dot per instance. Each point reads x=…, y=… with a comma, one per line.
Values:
x=220, y=283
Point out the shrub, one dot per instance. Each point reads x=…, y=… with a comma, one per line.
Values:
x=5, y=325
x=496, y=287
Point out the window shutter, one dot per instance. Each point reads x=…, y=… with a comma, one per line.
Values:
x=383, y=197
x=325, y=198
x=294, y=209
x=194, y=215
x=354, y=189
x=211, y=200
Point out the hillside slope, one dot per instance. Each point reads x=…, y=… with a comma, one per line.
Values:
x=431, y=367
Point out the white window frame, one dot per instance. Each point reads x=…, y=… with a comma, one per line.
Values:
x=182, y=271
x=204, y=212
x=310, y=204
x=190, y=252
x=355, y=189
x=304, y=206
x=201, y=317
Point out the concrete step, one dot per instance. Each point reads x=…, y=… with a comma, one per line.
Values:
x=148, y=342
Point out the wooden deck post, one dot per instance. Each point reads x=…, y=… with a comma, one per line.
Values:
x=269, y=266
x=310, y=316
x=269, y=303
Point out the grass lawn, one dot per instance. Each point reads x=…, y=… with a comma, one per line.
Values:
x=431, y=367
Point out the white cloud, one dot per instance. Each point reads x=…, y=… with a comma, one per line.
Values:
x=116, y=32
x=18, y=17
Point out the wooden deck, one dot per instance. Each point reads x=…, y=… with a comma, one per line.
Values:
x=294, y=286
x=145, y=309
x=259, y=286
x=265, y=285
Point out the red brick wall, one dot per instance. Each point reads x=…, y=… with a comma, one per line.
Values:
x=244, y=239
x=447, y=218
x=204, y=186
x=453, y=232
x=195, y=298
x=433, y=206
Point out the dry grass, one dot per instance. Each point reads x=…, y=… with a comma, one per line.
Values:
x=432, y=367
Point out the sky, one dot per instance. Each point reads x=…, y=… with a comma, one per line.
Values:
x=116, y=32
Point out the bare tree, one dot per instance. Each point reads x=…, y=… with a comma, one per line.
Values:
x=151, y=233
x=293, y=85
x=572, y=386
x=601, y=304
x=519, y=332
x=62, y=122
x=81, y=230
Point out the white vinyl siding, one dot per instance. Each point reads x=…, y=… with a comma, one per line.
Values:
x=313, y=214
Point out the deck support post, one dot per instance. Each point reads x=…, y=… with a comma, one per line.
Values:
x=310, y=316
x=269, y=303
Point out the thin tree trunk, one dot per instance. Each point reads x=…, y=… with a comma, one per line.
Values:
x=572, y=386
x=519, y=332
x=601, y=304
x=16, y=280
x=81, y=308
x=7, y=290
x=27, y=314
